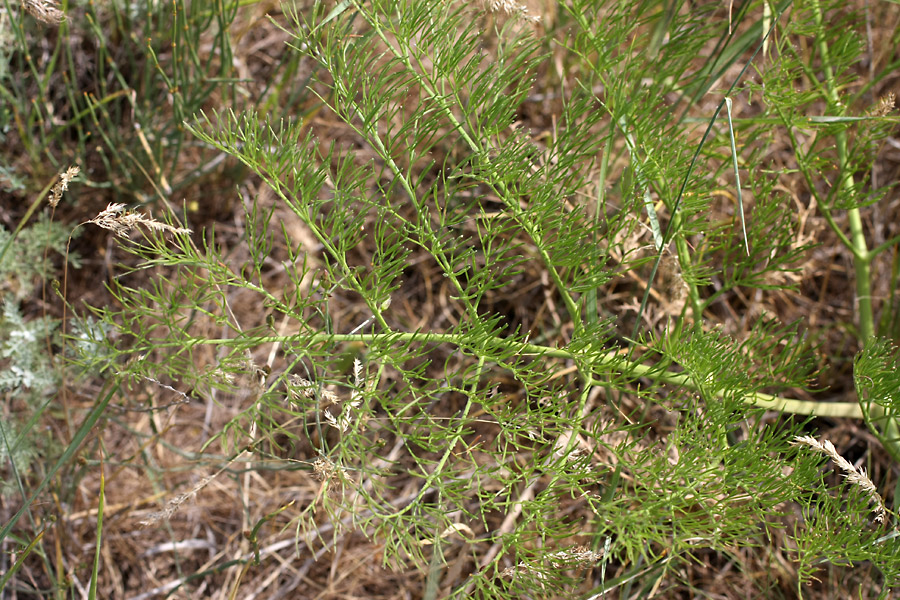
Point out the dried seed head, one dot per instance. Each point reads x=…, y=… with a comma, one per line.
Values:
x=333, y=476
x=885, y=106
x=120, y=221
x=297, y=387
x=45, y=11
x=578, y=557
x=854, y=476
x=512, y=8
x=175, y=503
x=62, y=185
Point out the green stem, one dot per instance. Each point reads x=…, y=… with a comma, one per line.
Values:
x=849, y=410
x=862, y=258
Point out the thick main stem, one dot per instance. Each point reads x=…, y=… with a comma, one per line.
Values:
x=862, y=258
x=848, y=410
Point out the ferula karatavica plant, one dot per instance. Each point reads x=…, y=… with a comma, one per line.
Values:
x=438, y=345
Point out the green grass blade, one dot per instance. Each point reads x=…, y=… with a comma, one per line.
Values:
x=90, y=420
x=92, y=592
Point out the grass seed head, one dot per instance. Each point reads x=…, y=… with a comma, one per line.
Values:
x=45, y=11
x=62, y=185
x=121, y=222
x=512, y=8
x=854, y=476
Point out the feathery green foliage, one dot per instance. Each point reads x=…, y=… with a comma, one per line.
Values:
x=445, y=175
x=633, y=441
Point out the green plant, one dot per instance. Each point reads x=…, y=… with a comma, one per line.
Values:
x=425, y=320
x=656, y=438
